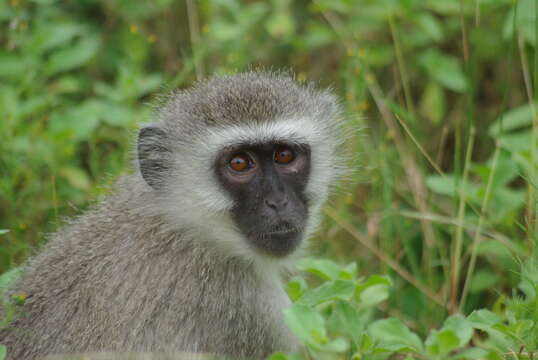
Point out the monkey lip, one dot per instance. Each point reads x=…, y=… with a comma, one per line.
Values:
x=282, y=232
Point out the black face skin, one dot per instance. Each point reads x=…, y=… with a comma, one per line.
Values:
x=267, y=183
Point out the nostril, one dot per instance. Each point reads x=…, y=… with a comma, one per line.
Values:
x=270, y=203
x=277, y=203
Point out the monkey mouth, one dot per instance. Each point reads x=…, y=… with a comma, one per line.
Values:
x=282, y=232
x=282, y=229
x=278, y=241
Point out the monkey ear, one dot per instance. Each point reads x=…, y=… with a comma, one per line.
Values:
x=153, y=155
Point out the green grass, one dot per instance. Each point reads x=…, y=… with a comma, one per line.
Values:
x=444, y=196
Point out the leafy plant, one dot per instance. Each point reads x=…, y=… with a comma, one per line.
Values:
x=335, y=320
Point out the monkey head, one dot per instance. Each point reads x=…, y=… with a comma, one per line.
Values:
x=245, y=160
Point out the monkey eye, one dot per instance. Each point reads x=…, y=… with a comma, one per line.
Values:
x=284, y=155
x=241, y=162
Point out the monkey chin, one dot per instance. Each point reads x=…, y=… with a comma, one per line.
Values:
x=277, y=244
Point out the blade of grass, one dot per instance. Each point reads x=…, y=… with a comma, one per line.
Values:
x=458, y=244
x=534, y=145
x=401, y=66
x=419, y=147
x=531, y=205
x=194, y=30
x=477, y=236
x=440, y=219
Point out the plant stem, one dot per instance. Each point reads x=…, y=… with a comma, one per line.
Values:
x=478, y=231
x=456, y=254
x=194, y=30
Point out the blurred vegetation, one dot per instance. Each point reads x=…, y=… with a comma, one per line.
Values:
x=445, y=194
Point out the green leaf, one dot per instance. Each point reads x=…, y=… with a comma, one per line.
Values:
x=515, y=118
x=278, y=356
x=296, y=287
x=116, y=114
x=345, y=320
x=3, y=352
x=7, y=278
x=432, y=104
x=461, y=327
x=393, y=335
x=337, y=6
x=440, y=343
x=77, y=123
x=366, y=343
x=448, y=185
x=76, y=177
x=506, y=171
x=506, y=200
x=326, y=269
x=3, y=231
x=306, y=323
x=483, y=280
x=445, y=69
x=471, y=353
x=483, y=319
x=280, y=25
x=56, y=34
x=77, y=55
x=11, y=65
x=375, y=290
x=516, y=142
x=149, y=83
x=339, y=345
x=525, y=21
x=330, y=290
x=455, y=333
x=430, y=25
x=494, y=247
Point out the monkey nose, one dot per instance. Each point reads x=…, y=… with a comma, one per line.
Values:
x=276, y=203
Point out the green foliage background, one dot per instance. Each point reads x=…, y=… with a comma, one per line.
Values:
x=444, y=194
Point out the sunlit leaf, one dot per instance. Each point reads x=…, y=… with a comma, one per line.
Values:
x=7, y=278
x=432, y=104
x=393, y=335
x=76, y=177
x=445, y=69
x=483, y=280
x=441, y=342
x=11, y=64
x=325, y=268
x=515, y=118
x=430, y=25
x=296, y=287
x=373, y=291
x=77, y=55
x=306, y=323
x=346, y=320
x=330, y=290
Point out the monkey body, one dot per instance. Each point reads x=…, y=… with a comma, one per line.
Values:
x=186, y=253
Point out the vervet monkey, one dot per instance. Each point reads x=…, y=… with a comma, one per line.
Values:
x=186, y=253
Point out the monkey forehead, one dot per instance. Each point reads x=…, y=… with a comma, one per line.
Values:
x=291, y=131
x=242, y=99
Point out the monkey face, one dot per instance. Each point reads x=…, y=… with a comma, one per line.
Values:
x=245, y=162
x=267, y=183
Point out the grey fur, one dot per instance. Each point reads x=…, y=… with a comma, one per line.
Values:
x=146, y=269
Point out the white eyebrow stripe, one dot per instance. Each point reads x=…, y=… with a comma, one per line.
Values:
x=294, y=131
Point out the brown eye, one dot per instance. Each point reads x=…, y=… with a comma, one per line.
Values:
x=241, y=162
x=284, y=155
